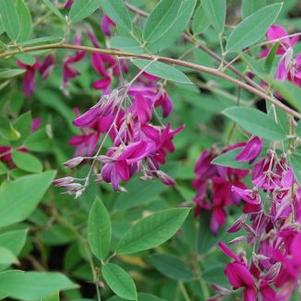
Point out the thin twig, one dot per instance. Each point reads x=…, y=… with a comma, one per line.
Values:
x=167, y=60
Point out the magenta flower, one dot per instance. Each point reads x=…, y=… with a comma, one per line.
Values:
x=120, y=163
x=69, y=72
x=277, y=32
x=251, y=150
x=85, y=144
x=29, y=79
x=47, y=66
x=219, y=180
x=239, y=275
x=68, y=4
x=106, y=25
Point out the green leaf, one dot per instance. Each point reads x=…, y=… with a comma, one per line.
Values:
x=163, y=71
x=10, y=18
x=119, y=281
x=141, y=297
x=289, y=91
x=38, y=141
x=32, y=286
x=7, y=131
x=27, y=162
x=117, y=11
x=295, y=162
x=200, y=20
x=3, y=168
x=160, y=20
x=216, y=13
x=179, y=24
x=99, y=230
x=11, y=73
x=253, y=28
x=52, y=297
x=82, y=9
x=54, y=9
x=7, y=257
x=172, y=267
x=139, y=193
x=23, y=124
x=126, y=44
x=25, y=21
x=13, y=240
x=152, y=231
x=256, y=122
x=228, y=159
x=249, y=7
x=1, y=25
x=19, y=198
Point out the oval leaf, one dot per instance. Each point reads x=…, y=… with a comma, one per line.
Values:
x=10, y=18
x=119, y=281
x=82, y=9
x=152, y=231
x=25, y=21
x=179, y=24
x=256, y=122
x=117, y=11
x=27, y=162
x=216, y=13
x=99, y=230
x=20, y=197
x=32, y=286
x=172, y=267
x=163, y=70
x=160, y=20
x=253, y=28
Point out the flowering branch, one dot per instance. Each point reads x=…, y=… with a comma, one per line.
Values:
x=193, y=66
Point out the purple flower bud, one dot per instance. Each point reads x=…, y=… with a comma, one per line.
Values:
x=251, y=150
x=61, y=182
x=74, y=162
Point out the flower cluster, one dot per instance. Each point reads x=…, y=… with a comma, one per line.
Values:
x=272, y=220
x=137, y=144
x=213, y=185
x=289, y=66
x=29, y=80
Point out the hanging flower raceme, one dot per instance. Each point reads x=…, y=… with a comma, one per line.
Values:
x=213, y=184
x=69, y=72
x=107, y=25
x=272, y=222
x=125, y=116
x=29, y=80
x=289, y=65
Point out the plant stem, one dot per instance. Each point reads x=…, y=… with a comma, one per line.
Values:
x=184, y=291
x=167, y=60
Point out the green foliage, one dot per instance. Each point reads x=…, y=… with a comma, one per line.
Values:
x=119, y=281
x=256, y=123
x=152, y=231
x=99, y=230
x=253, y=28
x=216, y=13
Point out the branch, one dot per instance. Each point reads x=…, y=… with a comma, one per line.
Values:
x=192, y=40
x=163, y=59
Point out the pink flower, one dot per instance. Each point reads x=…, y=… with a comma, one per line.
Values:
x=239, y=275
x=29, y=80
x=69, y=72
x=251, y=150
x=120, y=163
x=47, y=66
x=277, y=32
x=85, y=144
x=68, y=4
x=106, y=25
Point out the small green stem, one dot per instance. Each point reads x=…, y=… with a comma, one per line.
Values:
x=184, y=291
